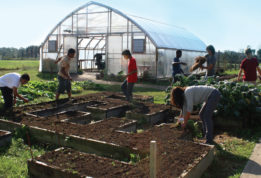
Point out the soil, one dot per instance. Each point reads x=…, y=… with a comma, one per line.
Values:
x=175, y=154
x=85, y=164
x=135, y=97
x=148, y=108
x=227, y=77
x=176, y=151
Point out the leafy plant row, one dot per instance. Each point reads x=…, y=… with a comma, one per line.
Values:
x=36, y=89
x=238, y=100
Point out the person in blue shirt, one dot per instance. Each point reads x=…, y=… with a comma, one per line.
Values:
x=176, y=66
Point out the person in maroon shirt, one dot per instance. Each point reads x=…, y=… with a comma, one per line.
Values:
x=249, y=65
x=132, y=77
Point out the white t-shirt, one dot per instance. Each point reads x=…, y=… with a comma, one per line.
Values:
x=10, y=80
x=194, y=95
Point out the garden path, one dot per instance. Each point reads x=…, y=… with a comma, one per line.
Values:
x=253, y=166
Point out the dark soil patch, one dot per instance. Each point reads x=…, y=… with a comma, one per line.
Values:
x=85, y=164
x=148, y=108
x=227, y=77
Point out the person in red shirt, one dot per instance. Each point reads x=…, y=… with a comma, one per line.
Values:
x=132, y=77
x=249, y=65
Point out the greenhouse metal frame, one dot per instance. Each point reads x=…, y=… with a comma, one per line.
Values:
x=95, y=28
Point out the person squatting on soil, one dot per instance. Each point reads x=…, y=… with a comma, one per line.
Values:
x=132, y=77
x=250, y=66
x=9, y=84
x=211, y=61
x=176, y=69
x=64, y=77
x=186, y=98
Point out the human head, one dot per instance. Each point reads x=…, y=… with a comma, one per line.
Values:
x=178, y=53
x=25, y=78
x=248, y=53
x=126, y=54
x=71, y=53
x=211, y=50
x=177, y=97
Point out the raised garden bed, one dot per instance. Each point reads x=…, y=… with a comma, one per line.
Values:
x=103, y=110
x=5, y=138
x=70, y=163
x=114, y=138
x=148, y=113
x=139, y=98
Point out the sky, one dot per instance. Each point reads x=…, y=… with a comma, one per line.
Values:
x=226, y=24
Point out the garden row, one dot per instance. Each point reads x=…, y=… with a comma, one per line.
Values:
x=103, y=143
x=240, y=102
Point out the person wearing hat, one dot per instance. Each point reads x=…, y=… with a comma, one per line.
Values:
x=250, y=67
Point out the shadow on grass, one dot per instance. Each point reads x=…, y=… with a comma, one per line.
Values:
x=225, y=164
x=249, y=134
x=3, y=149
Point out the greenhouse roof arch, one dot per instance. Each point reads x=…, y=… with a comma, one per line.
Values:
x=163, y=36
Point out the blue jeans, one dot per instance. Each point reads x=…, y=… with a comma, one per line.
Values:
x=206, y=114
x=127, y=88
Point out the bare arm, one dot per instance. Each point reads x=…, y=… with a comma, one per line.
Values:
x=259, y=70
x=186, y=118
x=210, y=67
x=239, y=74
x=58, y=60
x=19, y=96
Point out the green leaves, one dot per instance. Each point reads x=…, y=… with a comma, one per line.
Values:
x=238, y=100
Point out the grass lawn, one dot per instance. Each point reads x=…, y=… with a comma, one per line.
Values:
x=230, y=72
x=24, y=66
x=13, y=159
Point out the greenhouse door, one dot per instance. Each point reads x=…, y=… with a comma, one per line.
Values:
x=115, y=62
x=71, y=42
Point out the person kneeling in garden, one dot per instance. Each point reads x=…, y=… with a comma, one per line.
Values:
x=132, y=77
x=186, y=98
x=64, y=77
x=9, y=84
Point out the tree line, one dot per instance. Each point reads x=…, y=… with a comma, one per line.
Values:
x=235, y=57
x=21, y=53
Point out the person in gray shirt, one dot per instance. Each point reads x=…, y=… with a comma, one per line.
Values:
x=186, y=98
x=211, y=61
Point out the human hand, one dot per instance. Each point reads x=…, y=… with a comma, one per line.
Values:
x=184, y=63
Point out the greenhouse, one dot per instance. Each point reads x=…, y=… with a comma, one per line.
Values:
x=100, y=33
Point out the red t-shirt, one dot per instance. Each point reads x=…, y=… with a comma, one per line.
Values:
x=131, y=67
x=249, y=66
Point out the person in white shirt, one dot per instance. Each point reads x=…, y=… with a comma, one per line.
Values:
x=9, y=84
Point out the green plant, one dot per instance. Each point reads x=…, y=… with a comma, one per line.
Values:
x=194, y=128
x=134, y=158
